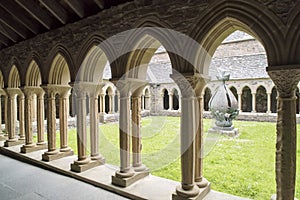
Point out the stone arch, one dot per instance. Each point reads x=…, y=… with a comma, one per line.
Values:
x=92, y=66
x=59, y=71
x=261, y=99
x=293, y=35
x=175, y=99
x=233, y=16
x=33, y=75
x=274, y=100
x=14, y=78
x=141, y=46
x=246, y=99
x=108, y=101
x=62, y=54
x=234, y=92
x=206, y=98
x=165, y=95
x=147, y=98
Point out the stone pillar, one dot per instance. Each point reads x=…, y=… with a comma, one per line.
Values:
x=5, y=114
x=40, y=118
x=240, y=102
x=136, y=134
x=21, y=117
x=143, y=102
x=199, y=147
x=286, y=82
x=111, y=100
x=63, y=117
x=254, y=102
x=53, y=153
x=102, y=97
x=170, y=101
x=94, y=125
x=28, y=92
x=11, y=118
x=188, y=129
x=269, y=103
x=83, y=159
x=126, y=176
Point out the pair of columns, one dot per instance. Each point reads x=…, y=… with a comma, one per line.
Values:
x=128, y=173
x=191, y=138
x=12, y=94
x=110, y=103
x=64, y=93
x=85, y=161
x=29, y=145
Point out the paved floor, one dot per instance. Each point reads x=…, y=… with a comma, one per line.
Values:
x=19, y=180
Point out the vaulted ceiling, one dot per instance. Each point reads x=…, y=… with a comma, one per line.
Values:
x=23, y=19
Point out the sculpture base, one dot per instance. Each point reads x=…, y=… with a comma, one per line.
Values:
x=229, y=131
x=126, y=181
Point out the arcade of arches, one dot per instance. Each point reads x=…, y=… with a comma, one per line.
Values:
x=48, y=70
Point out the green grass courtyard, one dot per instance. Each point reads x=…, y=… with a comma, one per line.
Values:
x=242, y=166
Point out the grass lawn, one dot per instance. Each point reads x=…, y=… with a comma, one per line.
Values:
x=243, y=166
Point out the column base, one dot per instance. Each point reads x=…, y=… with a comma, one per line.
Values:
x=76, y=167
x=122, y=179
x=140, y=168
x=13, y=142
x=193, y=194
x=48, y=156
x=203, y=183
x=32, y=148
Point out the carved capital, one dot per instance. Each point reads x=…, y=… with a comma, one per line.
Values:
x=286, y=81
x=130, y=85
x=190, y=85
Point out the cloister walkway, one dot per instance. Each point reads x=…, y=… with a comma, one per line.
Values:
x=19, y=180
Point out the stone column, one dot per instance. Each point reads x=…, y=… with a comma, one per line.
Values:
x=11, y=118
x=124, y=123
x=143, y=102
x=269, y=103
x=254, y=102
x=28, y=92
x=188, y=129
x=170, y=101
x=126, y=176
x=136, y=134
x=286, y=82
x=5, y=115
x=110, y=104
x=240, y=102
x=199, y=147
x=40, y=118
x=63, y=117
x=83, y=158
x=51, y=124
x=94, y=124
x=21, y=117
x=102, y=96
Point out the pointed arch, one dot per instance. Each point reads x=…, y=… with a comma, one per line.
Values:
x=56, y=53
x=261, y=99
x=33, y=75
x=93, y=65
x=231, y=16
x=14, y=78
x=246, y=99
x=59, y=71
